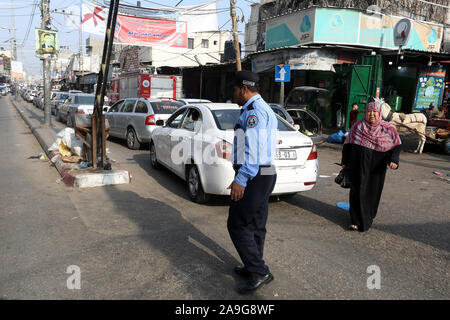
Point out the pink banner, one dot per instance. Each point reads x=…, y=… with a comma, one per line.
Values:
x=150, y=32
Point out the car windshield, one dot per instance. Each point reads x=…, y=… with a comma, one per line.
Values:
x=85, y=99
x=63, y=96
x=227, y=119
x=166, y=107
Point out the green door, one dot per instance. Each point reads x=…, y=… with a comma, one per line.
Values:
x=359, y=92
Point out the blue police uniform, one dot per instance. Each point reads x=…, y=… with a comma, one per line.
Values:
x=253, y=160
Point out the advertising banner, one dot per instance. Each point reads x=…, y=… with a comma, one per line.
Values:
x=336, y=26
x=290, y=30
x=46, y=44
x=430, y=88
x=143, y=31
x=305, y=59
x=17, y=69
x=348, y=27
x=378, y=31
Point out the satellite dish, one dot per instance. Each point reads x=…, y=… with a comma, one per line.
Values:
x=402, y=31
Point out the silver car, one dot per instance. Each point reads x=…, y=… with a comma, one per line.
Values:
x=58, y=99
x=134, y=119
x=76, y=109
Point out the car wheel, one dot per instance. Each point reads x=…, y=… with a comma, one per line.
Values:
x=195, y=187
x=153, y=159
x=132, y=141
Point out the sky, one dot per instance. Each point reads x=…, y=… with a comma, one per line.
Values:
x=25, y=23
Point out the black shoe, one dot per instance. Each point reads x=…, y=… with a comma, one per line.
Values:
x=255, y=282
x=241, y=271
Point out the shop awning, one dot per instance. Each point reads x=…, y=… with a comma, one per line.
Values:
x=299, y=59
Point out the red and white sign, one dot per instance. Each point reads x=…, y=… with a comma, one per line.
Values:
x=135, y=30
x=144, y=31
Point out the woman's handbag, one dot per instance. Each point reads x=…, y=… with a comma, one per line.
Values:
x=343, y=178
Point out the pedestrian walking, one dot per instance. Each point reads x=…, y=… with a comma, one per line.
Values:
x=254, y=151
x=370, y=147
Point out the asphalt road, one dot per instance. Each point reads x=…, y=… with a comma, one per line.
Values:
x=146, y=240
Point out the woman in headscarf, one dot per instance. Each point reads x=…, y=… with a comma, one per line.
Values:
x=370, y=147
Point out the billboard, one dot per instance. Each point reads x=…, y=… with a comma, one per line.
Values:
x=46, y=43
x=348, y=27
x=378, y=31
x=336, y=26
x=430, y=88
x=290, y=30
x=16, y=69
x=149, y=32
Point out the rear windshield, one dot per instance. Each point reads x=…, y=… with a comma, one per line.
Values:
x=227, y=119
x=84, y=99
x=166, y=107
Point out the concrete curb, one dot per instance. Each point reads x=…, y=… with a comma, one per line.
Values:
x=70, y=173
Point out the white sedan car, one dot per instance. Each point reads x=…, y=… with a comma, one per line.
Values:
x=196, y=143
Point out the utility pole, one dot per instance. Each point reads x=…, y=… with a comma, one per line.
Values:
x=45, y=13
x=235, y=35
x=14, y=53
x=98, y=129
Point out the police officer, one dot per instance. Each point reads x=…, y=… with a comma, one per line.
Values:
x=254, y=150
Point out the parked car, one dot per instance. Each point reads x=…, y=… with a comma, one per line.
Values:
x=37, y=97
x=308, y=123
x=29, y=96
x=314, y=99
x=134, y=119
x=279, y=110
x=76, y=109
x=57, y=99
x=193, y=101
x=3, y=89
x=211, y=126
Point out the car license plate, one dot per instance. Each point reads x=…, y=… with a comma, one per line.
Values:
x=285, y=155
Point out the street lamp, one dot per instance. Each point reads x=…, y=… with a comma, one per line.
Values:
x=13, y=47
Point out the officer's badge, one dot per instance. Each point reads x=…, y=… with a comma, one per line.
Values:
x=252, y=121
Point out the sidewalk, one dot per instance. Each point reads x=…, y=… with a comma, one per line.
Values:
x=70, y=173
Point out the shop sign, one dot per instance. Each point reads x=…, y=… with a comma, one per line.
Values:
x=430, y=88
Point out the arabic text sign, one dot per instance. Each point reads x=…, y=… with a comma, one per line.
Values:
x=142, y=31
x=346, y=26
x=289, y=30
x=430, y=88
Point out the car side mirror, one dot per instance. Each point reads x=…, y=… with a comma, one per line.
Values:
x=160, y=123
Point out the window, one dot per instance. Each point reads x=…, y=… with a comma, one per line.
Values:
x=175, y=119
x=279, y=112
x=205, y=43
x=88, y=99
x=128, y=106
x=192, y=120
x=166, y=107
x=190, y=43
x=141, y=107
x=226, y=119
x=215, y=42
x=116, y=106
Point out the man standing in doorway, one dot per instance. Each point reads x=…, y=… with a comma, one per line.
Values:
x=253, y=162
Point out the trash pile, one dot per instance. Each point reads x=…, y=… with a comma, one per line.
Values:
x=338, y=137
x=69, y=148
